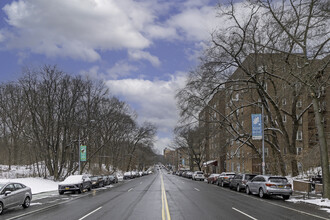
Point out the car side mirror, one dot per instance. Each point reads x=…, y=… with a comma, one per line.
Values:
x=7, y=193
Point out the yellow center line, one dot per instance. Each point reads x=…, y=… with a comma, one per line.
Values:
x=164, y=201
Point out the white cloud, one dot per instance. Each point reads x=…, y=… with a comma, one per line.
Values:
x=77, y=29
x=121, y=69
x=154, y=101
x=142, y=55
x=161, y=144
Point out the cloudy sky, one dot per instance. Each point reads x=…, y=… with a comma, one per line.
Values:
x=141, y=48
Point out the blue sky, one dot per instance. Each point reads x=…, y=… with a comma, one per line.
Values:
x=142, y=49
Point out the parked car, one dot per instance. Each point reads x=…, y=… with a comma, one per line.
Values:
x=224, y=178
x=239, y=181
x=113, y=179
x=128, y=175
x=97, y=181
x=269, y=185
x=106, y=180
x=75, y=183
x=189, y=174
x=198, y=175
x=213, y=178
x=14, y=194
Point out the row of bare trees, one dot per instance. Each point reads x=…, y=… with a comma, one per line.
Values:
x=46, y=113
x=278, y=51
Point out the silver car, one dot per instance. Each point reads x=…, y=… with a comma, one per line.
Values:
x=14, y=194
x=269, y=185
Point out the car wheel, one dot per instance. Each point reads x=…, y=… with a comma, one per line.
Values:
x=285, y=197
x=238, y=189
x=60, y=192
x=81, y=189
x=261, y=193
x=26, y=203
x=1, y=208
x=247, y=190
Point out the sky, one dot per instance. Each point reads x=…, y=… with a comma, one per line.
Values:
x=142, y=49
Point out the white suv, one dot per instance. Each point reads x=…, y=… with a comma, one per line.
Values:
x=198, y=175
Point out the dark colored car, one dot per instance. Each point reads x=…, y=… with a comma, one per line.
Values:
x=97, y=181
x=113, y=179
x=14, y=194
x=213, y=178
x=224, y=178
x=75, y=183
x=239, y=181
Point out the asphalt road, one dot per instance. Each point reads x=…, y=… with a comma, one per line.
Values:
x=162, y=196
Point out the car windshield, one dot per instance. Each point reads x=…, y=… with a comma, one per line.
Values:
x=200, y=173
x=94, y=178
x=278, y=180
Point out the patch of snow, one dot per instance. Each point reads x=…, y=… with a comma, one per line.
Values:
x=325, y=203
x=37, y=185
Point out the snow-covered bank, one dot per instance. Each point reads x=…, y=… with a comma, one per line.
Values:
x=37, y=185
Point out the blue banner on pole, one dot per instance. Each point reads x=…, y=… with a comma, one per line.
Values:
x=256, y=127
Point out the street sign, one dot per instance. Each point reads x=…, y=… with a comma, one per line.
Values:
x=83, y=153
x=256, y=127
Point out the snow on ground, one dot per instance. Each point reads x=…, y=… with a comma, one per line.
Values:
x=324, y=203
x=37, y=185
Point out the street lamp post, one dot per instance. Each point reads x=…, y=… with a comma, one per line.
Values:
x=263, y=140
x=79, y=151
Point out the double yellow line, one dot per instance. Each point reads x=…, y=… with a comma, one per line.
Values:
x=164, y=201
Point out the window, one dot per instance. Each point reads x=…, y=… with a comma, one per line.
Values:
x=284, y=101
x=238, y=168
x=232, y=167
x=284, y=118
x=266, y=151
x=299, y=150
x=299, y=135
x=299, y=104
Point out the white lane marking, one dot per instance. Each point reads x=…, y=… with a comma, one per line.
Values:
x=196, y=189
x=90, y=213
x=244, y=213
x=292, y=209
x=130, y=189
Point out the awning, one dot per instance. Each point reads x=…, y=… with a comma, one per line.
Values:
x=210, y=163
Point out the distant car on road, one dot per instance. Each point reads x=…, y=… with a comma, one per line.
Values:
x=269, y=185
x=198, y=175
x=239, y=181
x=75, y=183
x=14, y=194
x=224, y=178
x=128, y=175
x=97, y=181
x=113, y=179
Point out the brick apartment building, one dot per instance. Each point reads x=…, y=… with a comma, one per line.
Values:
x=290, y=134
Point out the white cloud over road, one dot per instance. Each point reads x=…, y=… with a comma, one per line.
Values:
x=154, y=101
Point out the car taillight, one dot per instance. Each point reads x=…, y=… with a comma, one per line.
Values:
x=288, y=185
x=270, y=185
x=226, y=177
x=244, y=181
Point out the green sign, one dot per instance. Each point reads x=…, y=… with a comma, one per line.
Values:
x=83, y=153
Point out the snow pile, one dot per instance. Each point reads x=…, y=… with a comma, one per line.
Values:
x=324, y=203
x=37, y=185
